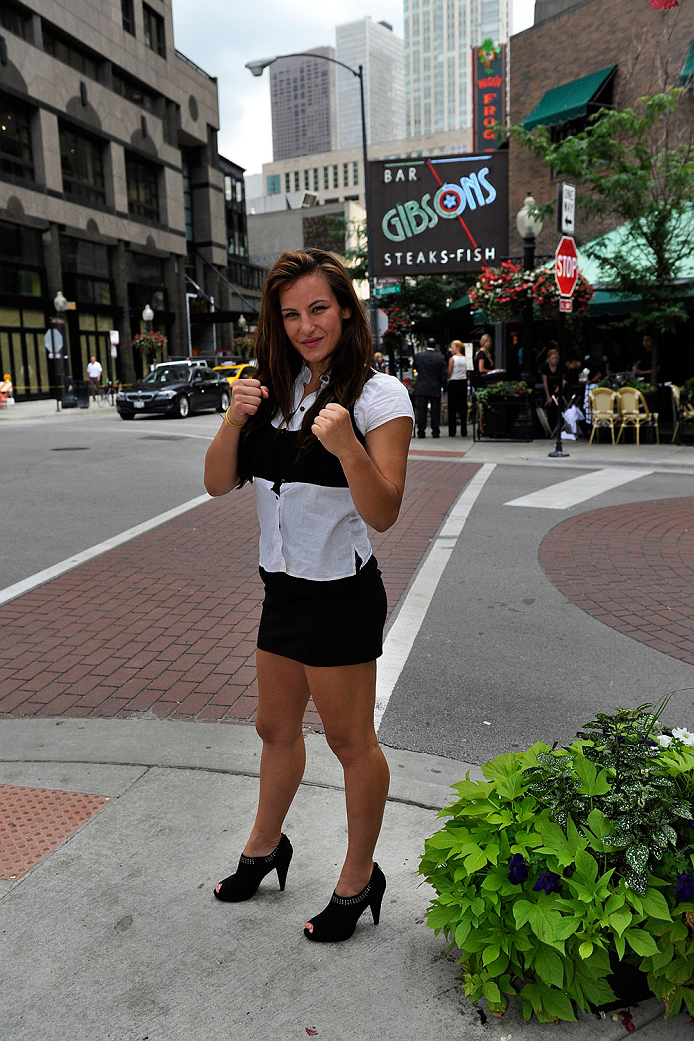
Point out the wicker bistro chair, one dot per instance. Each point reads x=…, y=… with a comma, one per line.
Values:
x=603, y=410
x=634, y=412
x=682, y=412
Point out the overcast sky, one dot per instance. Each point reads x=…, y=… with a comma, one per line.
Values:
x=221, y=37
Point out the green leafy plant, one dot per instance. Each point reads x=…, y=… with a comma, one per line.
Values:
x=563, y=861
x=501, y=391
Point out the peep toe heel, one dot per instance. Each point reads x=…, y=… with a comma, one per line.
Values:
x=243, y=884
x=338, y=920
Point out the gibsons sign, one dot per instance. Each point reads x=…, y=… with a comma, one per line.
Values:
x=438, y=215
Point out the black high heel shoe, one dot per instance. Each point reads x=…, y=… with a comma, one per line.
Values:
x=252, y=870
x=338, y=921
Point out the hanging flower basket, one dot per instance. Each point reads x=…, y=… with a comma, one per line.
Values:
x=500, y=293
x=150, y=344
x=544, y=291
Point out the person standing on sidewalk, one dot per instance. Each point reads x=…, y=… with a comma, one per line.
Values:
x=431, y=381
x=457, y=389
x=325, y=439
x=94, y=371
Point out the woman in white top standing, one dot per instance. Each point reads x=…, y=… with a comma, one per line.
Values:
x=457, y=389
x=325, y=439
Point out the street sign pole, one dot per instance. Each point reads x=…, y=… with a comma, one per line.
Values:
x=566, y=275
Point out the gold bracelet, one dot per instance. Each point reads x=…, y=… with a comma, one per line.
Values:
x=237, y=425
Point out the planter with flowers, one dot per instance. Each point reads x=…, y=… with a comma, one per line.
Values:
x=150, y=345
x=565, y=863
x=500, y=407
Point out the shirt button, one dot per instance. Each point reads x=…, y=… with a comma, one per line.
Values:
x=301, y=408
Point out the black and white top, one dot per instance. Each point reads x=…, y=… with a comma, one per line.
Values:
x=309, y=526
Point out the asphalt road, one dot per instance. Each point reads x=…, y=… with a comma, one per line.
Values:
x=502, y=657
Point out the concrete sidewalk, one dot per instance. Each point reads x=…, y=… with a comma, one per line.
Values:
x=116, y=933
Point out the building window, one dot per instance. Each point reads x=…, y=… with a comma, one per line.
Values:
x=15, y=140
x=336, y=179
x=13, y=18
x=69, y=52
x=132, y=90
x=154, y=31
x=287, y=182
x=273, y=183
x=345, y=175
x=187, y=198
x=128, y=11
x=326, y=180
x=82, y=164
x=143, y=188
x=306, y=182
x=315, y=178
x=296, y=180
x=355, y=173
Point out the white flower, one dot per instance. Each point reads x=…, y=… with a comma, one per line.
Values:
x=664, y=740
x=683, y=735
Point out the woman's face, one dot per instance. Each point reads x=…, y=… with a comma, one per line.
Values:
x=553, y=358
x=313, y=319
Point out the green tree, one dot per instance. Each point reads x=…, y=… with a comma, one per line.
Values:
x=633, y=167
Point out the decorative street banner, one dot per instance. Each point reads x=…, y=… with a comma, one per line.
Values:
x=488, y=95
x=438, y=215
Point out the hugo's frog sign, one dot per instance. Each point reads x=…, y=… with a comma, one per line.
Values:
x=437, y=215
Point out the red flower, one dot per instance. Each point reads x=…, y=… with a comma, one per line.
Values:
x=663, y=5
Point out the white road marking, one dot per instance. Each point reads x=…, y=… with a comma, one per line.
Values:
x=398, y=643
x=570, y=493
x=26, y=584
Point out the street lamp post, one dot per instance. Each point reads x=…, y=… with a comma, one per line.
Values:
x=257, y=68
x=529, y=227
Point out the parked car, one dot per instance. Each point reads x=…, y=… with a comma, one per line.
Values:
x=176, y=389
x=236, y=372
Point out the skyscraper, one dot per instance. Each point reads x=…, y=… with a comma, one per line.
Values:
x=375, y=47
x=303, y=95
x=439, y=35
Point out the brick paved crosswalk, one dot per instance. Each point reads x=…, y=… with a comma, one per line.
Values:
x=165, y=624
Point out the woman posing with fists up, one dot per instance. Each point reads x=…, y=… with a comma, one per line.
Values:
x=325, y=439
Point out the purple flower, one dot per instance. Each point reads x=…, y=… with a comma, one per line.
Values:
x=518, y=870
x=549, y=882
x=691, y=822
x=684, y=889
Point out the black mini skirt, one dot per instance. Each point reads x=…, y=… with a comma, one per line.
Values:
x=324, y=623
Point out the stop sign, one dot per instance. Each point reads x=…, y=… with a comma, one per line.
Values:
x=566, y=265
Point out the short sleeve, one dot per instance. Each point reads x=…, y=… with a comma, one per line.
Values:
x=382, y=399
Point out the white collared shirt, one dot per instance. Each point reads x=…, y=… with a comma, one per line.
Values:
x=312, y=531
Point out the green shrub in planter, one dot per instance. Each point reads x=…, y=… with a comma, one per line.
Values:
x=563, y=859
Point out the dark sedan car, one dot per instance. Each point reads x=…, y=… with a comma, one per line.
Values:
x=174, y=390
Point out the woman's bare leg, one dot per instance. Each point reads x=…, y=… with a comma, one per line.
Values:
x=283, y=694
x=345, y=697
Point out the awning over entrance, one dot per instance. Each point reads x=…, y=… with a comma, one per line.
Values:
x=569, y=101
x=687, y=75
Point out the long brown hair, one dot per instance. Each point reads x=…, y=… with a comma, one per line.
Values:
x=279, y=363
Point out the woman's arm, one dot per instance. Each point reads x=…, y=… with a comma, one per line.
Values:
x=221, y=460
x=375, y=473
x=548, y=396
x=450, y=366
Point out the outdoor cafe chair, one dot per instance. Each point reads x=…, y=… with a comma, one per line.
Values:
x=634, y=412
x=603, y=409
x=682, y=412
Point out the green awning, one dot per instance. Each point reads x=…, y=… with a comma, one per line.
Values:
x=568, y=101
x=687, y=76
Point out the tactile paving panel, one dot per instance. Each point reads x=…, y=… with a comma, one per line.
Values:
x=34, y=821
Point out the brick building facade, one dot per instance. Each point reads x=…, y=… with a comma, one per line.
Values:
x=646, y=50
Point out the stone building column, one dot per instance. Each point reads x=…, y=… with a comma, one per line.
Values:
x=174, y=279
x=119, y=273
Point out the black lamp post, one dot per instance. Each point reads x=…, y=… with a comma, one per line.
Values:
x=257, y=68
x=529, y=227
